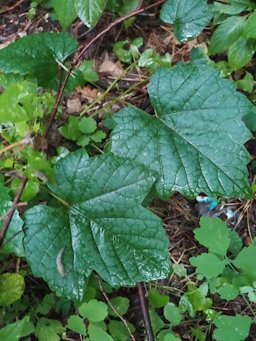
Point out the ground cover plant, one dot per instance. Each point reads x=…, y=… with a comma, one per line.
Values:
x=127, y=166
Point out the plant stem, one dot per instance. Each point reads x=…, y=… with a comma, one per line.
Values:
x=144, y=308
x=12, y=210
x=86, y=47
x=89, y=107
x=115, y=310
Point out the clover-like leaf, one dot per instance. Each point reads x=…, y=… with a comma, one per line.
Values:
x=196, y=141
x=189, y=17
x=102, y=226
x=38, y=55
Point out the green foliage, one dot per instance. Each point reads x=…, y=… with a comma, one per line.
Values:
x=88, y=72
x=232, y=328
x=91, y=216
x=244, y=263
x=89, y=11
x=14, y=235
x=66, y=12
x=208, y=265
x=122, y=6
x=76, y=324
x=237, y=34
x=11, y=288
x=89, y=208
x=128, y=51
x=94, y=311
x=48, y=330
x=82, y=131
x=195, y=299
x=121, y=305
x=157, y=300
x=175, y=142
x=213, y=227
x=38, y=55
x=172, y=314
x=227, y=33
x=189, y=18
x=246, y=83
x=217, y=268
x=152, y=60
x=17, y=330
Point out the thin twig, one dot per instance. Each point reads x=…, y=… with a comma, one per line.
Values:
x=86, y=47
x=145, y=313
x=10, y=8
x=12, y=210
x=116, y=311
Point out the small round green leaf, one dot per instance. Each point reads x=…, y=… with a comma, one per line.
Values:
x=76, y=324
x=232, y=328
x=172, y=314
x=121, y=304
x=87, y=125
x=94, y=310
x=213, y=234
x=96, y=333
x=11, y=288
x=157, y=300
x=208, y=265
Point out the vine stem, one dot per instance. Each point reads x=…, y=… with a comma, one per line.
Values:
x=86, y=47
x=115, y=310
x=12, y=210
x=145, y=313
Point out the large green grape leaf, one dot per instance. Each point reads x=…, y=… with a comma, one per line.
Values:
x=14, y=235
x=38, y=55
x=196, y=141
x=89, y=11
x=102, y=226
x=189, y=17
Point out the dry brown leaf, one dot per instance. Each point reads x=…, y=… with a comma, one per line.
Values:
x=73, y=106
x=110, y=68
x=88, y=93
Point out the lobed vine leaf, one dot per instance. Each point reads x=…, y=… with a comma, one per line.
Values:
x=103, y=227
x=189, y=17
x=196, y=140
x=38, y=55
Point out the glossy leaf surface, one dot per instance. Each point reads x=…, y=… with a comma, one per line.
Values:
x=89, y=11
x=38, y=55
x=196, y=141
x=189, y=17
x=103, y=226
